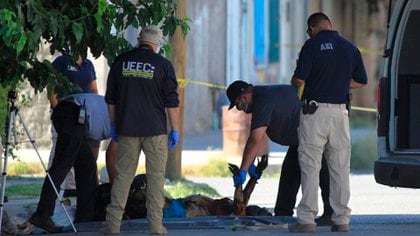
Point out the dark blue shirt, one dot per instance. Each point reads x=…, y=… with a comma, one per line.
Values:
x=81, y=75
x=141, y=84
x=327, y=63
x=276, y=107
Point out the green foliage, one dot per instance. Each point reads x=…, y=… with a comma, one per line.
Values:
x=18, y=168
x=98, y=25
x=24, y=190
x=3, y=111
x=173, y=189
x=213, y=168
x=363, y=153
x=183, y=188
x=363, y=123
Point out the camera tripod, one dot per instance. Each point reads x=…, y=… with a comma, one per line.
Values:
x=12, y=113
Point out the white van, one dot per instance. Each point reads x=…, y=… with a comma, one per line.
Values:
x=398, y=128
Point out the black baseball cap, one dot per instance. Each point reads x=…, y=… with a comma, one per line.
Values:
x=235, y=90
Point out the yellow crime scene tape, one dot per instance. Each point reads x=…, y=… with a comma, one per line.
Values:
x=183, y=82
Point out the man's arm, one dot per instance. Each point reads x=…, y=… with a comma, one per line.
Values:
x=252, y=146
x=300, y=84
x=173, y=113
x=297, y=82
x=355, y=85
x=53, y=100
x=94, y=87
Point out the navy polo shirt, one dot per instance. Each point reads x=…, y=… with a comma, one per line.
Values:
x=327, y=63
x=82, y=74
x=141, y=84
x=276, y=107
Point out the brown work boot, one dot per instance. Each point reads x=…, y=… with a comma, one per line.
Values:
x=160, y=230
x=110, y=229
x=302, y=228
x=340, y=228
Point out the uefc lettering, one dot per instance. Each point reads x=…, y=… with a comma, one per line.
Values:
x=138, y=66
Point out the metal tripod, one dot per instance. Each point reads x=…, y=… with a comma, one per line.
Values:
x=12, y=112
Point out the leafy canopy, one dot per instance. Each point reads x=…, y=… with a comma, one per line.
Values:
x=98, y=25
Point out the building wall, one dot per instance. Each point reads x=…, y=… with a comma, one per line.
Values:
x=206, y=62
x=293, y=35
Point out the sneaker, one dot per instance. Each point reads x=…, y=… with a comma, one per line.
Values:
x=70, y=193
x=324, y=220
x=45, y=223
x=302, y=228
x=340, y=228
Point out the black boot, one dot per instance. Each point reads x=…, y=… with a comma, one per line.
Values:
x=324, y=220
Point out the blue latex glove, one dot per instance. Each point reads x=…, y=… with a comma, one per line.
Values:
x=239, y=179
x=253, y=172
x=114, y=136
x=173, y=139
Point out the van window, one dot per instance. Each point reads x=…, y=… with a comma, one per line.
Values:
x=408, y=105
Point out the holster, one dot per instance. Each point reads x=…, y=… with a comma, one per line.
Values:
x=310, y=107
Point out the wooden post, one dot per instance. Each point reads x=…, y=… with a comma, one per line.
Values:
x=173, y=165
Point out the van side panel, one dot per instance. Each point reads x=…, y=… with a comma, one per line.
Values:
x=399, y=107
x=383, y=107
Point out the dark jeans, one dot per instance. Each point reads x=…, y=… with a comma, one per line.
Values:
x=72, y=150
x=290, y=182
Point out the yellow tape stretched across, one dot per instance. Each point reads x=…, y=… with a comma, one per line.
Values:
x=183, y=82
x=363, y=109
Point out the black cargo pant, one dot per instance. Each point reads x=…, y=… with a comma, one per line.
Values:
x=72, y=150
x=290, y=182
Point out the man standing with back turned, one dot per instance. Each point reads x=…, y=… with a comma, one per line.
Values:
x=141, y=84
x=327, y=68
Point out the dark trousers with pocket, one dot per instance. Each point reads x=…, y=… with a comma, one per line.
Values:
x=290, y=182
x=72, y=150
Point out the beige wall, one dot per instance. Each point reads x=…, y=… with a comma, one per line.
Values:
x=206, y=52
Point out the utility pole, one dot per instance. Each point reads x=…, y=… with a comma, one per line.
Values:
x=177, y=41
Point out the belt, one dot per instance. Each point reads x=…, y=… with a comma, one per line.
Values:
x=331, y=105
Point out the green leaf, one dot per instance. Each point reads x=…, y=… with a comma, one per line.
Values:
x=21, y=43
x=53, y=26
x=102, y=6
x=77, y=31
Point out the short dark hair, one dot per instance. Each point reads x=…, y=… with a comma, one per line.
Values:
x=316, y=18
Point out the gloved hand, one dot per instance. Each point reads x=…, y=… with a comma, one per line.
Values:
x=173, y=139
x=114, y=136
x=253, y=171
x=239, y=179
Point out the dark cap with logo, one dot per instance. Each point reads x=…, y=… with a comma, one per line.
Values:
x=235, y=90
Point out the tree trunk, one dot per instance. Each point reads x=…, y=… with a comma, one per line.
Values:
x=177, y=41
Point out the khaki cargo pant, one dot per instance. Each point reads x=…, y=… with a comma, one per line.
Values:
x=326, y=131
x=156, y=151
